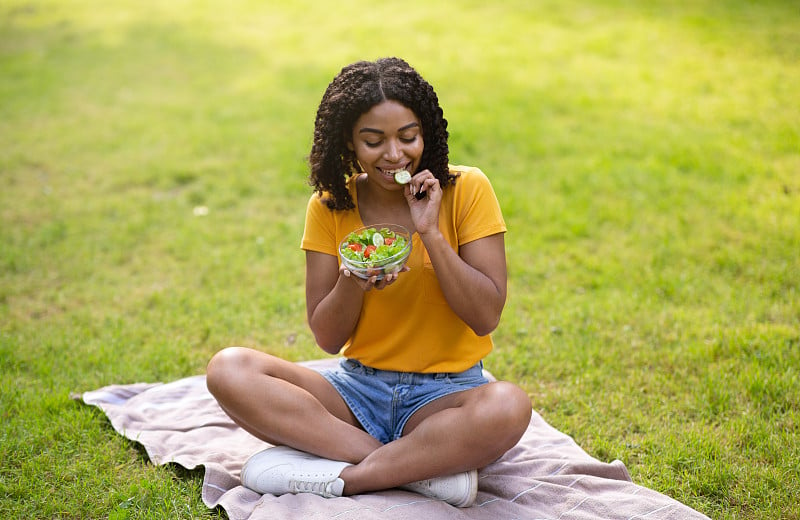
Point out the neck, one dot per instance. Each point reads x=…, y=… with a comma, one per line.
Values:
x=379, y=205
x=375, y=196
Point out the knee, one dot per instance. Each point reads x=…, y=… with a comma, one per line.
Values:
x=223, y=368
x=511, y=410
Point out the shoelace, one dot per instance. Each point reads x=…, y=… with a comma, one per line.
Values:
x=310, y=486
x=427, y=484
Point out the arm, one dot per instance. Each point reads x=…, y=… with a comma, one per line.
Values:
x=474, y=280
x=333, y=301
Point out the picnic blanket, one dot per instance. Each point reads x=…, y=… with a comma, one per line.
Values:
x=545, y=476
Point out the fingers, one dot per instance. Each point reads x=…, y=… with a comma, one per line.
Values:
x=379, y=283
x=367, y=284
x=423, y=184
x=385, y=281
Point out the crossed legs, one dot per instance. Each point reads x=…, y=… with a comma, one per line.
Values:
x=287, y=404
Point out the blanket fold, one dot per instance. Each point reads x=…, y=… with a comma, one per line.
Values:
x=545, y=476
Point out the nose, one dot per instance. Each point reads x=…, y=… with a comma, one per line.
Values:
x=393, y=151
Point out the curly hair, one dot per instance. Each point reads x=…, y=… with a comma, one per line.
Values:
x=353, y=92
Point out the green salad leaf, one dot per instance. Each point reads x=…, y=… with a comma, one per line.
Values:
x=361, y=247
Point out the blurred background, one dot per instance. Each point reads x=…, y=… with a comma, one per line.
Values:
x=646, y=156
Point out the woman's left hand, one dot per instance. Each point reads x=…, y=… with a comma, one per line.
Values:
x=424, y=210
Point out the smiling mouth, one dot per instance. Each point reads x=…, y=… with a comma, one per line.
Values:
x=392, y=172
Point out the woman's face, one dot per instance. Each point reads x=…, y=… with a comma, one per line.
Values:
x=386, y=139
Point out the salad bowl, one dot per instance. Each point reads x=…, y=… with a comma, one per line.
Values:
x=376, y=250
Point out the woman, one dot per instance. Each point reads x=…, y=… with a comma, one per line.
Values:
x=408, y=406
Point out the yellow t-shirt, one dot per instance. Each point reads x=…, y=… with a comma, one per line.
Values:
x=409, y=326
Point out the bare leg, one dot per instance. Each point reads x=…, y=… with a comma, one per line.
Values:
x=456, y=433
x=284, y=403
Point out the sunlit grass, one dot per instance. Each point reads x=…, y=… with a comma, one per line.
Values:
x=646, y=157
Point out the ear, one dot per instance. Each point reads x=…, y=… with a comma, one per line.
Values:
x=350, y=146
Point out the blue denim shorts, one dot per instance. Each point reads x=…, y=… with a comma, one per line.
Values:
x=384, y=400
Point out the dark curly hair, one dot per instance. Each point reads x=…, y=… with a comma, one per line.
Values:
x=353, y=92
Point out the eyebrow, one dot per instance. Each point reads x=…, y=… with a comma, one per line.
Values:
x=376, y=131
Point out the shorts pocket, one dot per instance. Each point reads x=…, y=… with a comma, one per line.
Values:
x=352, y=366
x=471, y=377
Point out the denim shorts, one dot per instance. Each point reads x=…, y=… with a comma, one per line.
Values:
x=384, y=400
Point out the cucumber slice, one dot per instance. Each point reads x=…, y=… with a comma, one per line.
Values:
x=377, y=240
x=402, y=177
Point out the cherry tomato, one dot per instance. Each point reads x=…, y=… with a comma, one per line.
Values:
x=368, y=251
x=355, y=247
x=388, y=241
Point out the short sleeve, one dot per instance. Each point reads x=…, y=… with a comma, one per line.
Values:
x=477, y=209
x=319, y=233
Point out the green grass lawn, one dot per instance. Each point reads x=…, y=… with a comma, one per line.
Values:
x=646, y=155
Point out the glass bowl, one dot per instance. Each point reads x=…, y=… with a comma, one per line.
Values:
x=365, y=255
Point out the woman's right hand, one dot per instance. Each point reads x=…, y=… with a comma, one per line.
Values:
x=372, y=282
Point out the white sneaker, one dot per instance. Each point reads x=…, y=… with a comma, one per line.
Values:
x=459, y=490
x=280, y=470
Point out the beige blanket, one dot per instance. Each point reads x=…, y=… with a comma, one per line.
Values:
x=546, y=476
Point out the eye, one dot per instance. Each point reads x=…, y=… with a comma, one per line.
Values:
x=371, y=144
x=409, y=139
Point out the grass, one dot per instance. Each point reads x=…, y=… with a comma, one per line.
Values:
x=646, y=156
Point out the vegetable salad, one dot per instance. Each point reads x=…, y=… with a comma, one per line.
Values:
x=372, y=246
